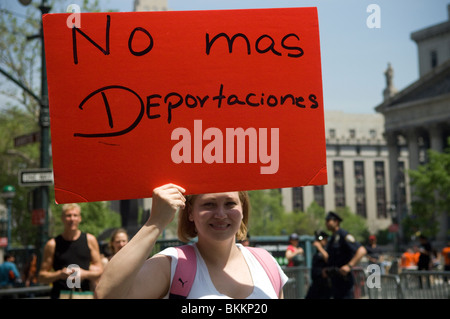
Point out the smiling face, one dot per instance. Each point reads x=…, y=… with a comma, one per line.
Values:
x=217, y=216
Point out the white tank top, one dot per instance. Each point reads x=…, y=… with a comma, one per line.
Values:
x=203, y=286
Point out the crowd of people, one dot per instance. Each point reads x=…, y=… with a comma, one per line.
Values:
x=226, y=264
x=425, y=257
x=329, y=278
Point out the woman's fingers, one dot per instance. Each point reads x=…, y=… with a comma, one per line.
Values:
x=171, y=186
x=167, y=200
x=171, y=193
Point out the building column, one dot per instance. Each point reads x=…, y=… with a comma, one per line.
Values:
x=413, y=149
x=437, y=144
x=436, y=138
x=287, y=199
x=392, y=145
x=394, y=153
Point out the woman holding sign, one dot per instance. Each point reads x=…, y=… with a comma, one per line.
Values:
x=214, y=267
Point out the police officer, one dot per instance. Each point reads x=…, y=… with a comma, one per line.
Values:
x=320, y=287
x=344, y=253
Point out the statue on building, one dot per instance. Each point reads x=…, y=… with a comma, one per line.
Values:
x=390, y=90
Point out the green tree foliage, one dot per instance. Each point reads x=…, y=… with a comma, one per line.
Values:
x=354, y=224
x=431, y=188
x=266, y=212
x=20, y=57
x=269, y=218
x=96, y=217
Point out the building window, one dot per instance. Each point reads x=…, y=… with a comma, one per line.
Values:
x=424, y=145
x=332, y=133
x=360, y=188
x=297, y=198
x=373, y=133
x=434, y=59
x=380, y=189
x=352, y=133
x=319, y=195
x=339, y=185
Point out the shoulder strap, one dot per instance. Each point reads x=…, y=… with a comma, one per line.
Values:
x=269, y=265
x=184, y=273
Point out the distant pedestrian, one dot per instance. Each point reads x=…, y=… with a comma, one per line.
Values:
x=30, y=271
x=375, y=253
x=344, y=254
x=426, y=252
x=294, y=254
x=119, y=238
x=445, y=253
x=425, y=260
x=72, y=247
x=320, y=287
x=408, y=259
x=9, y=274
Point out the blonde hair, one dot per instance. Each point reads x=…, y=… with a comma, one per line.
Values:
x=70, y=206
x=186, y=228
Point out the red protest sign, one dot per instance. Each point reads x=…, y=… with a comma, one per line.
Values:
x=210, y=100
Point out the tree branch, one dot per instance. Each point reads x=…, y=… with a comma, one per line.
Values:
x=25, y=157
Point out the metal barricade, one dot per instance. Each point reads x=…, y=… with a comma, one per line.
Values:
x=425, y=284
x=39, y=291
x=407, y=285
x=360, y=290
x=298, y=282
x=389, y=288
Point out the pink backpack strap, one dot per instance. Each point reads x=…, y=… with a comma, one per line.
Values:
x=270, y=266
x=184, y=273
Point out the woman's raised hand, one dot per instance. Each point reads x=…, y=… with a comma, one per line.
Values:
x=166, y=201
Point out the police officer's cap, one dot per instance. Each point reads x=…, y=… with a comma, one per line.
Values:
x=320, y=235
x=333, y=215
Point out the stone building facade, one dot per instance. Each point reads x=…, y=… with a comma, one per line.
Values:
x=358, y=170
x=418, y=117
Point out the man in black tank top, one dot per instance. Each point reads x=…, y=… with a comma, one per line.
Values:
x=68, y=251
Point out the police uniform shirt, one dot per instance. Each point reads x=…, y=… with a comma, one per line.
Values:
x=341, y=248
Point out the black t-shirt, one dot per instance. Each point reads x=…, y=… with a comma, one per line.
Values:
x=425, y=256
x=67, y=253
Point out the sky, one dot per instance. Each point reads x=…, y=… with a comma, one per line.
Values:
x=354, y=56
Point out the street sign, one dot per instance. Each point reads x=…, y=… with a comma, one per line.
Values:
x=36, y=177
x=393, y=228
x=27, y=139
x=38, y=217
